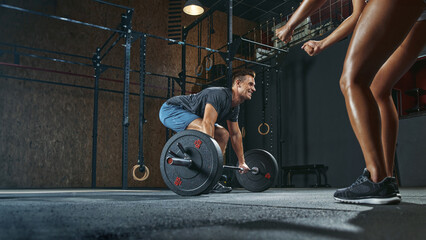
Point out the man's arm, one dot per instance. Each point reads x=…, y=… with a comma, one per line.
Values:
x=344, y=29
x=237, y=143
x=303, y=11
x=209, y=119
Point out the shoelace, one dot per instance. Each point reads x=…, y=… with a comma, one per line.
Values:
x=358, y=181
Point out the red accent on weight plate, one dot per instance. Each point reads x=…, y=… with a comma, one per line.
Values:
x=268, y=176
x=178, y=181
x=198, y=143
x=169, y=160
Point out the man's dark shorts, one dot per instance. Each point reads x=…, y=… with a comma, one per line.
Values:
x=175, y=117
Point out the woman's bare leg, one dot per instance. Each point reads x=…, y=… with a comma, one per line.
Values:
x=393, y=70
x=380, y=30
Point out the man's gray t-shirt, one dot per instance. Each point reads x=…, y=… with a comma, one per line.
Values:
x=219, y=97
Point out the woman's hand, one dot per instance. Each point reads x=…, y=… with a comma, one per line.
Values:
x=312, y=47
x=284, y=33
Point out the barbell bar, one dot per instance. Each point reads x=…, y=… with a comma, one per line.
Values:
x=191, y=163
x=188, y=162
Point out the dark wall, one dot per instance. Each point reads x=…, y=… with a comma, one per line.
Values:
x=411, y=151
x=310, y=124
x=313, y=123
x=316, y=127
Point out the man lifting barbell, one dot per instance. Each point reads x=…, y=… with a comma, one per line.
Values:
x=203, y=111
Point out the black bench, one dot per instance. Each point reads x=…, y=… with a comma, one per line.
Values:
x=317, y=169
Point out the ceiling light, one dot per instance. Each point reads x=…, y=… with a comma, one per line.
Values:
x=193, y=7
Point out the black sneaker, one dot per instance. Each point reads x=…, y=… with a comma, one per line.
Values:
x=365, y=191
x=395, y=184
x=219, y=188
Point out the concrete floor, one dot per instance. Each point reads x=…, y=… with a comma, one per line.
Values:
x=161, y=214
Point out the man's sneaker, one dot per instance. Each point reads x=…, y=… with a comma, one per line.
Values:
x=365, y=191
x=219, y=188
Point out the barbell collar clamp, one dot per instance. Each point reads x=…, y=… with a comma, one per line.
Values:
x=179, y=161
x=254, y=170
x=182, y=150
x=173, y=154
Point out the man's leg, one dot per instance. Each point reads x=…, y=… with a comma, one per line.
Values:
x=178, y=119
x=175, y=117
x=221, y=135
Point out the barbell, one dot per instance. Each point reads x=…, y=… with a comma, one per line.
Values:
x=191, y=163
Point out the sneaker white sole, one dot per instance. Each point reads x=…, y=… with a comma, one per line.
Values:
x=392, y=200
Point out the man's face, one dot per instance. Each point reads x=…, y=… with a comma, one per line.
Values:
x=246, y=87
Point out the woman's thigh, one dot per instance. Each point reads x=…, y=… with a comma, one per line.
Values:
x=381, y=28
x=400, y=61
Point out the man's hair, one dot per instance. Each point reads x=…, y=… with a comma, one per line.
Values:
x=240, y=74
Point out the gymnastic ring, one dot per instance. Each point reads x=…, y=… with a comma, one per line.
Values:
x=198, y=70
x=263, y=133
x=209, y=63
x=144, y=177
x=243, y=132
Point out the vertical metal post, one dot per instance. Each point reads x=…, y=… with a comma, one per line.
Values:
x=263, y=102
x=276, y=40
x=229, y=58
x=278, y=121
x=199, y=42
x=142, y=56
x=229, y=67
x=183, y=73
x=173, y=88
x=168, y=96
x=267, y=32
x=168, y=87
x=97, y=65
x=126, y=93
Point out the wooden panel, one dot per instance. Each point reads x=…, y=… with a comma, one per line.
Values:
x=46, y=130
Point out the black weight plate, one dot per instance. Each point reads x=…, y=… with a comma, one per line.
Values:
x=207, y=160
x=268, y=171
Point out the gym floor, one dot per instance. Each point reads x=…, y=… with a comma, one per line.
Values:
x=286, y=213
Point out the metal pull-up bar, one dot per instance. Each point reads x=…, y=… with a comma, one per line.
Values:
x=264, y=45
x=113, y=4
x=59, y=18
